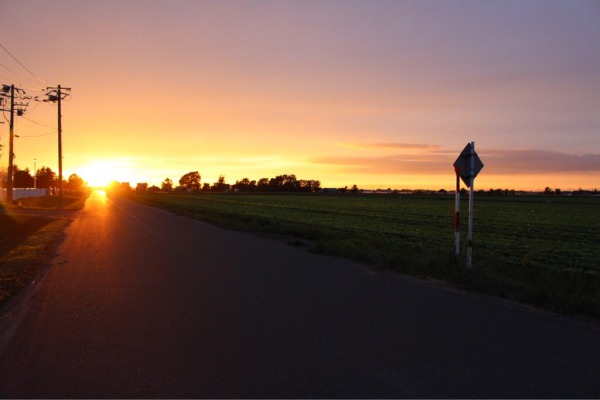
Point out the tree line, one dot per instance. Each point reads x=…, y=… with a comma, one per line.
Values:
x=191, y=182
x=44, y=178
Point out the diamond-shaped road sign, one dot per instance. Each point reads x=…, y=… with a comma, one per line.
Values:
x=462, y=165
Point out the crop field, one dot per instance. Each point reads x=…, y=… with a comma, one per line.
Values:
x=543, y=250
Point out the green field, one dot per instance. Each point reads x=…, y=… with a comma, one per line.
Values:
x=543, y=250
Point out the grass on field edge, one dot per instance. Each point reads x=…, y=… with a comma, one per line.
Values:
x=22, y=265
x=566, y=291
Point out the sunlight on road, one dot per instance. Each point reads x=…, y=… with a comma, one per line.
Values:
x=98, y=197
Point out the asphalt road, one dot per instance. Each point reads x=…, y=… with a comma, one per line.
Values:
x=143, y=303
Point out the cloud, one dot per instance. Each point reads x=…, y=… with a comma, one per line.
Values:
x=397, y=146
x=497, y=162
x=392, y=164
x=538, y=161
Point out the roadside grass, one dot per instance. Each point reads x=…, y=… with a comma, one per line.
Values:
x=15, y=229
x=21, y=264
x=531, y=250
x=28, y=242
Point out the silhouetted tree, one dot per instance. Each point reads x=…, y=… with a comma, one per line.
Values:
x=166, y=185
x=190, y=181
x=263, y=185
x=46, y=178
x=22, y=178
x=74, y=183
x=245, y=185
x=220, y=185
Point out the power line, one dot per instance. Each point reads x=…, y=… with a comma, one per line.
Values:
x=8, y=69
x=36, y=122
x=33, y=136
x=22, y=65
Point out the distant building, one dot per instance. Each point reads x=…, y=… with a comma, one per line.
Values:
x=141, y=187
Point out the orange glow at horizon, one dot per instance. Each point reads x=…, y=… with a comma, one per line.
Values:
x=100, y=172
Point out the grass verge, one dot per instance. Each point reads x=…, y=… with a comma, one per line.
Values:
x=21, y=265
x=28, y=242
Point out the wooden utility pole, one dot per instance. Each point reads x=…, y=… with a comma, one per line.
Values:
x=57, y=95
x=11, y=154
x=11, y=141
x=60, y=177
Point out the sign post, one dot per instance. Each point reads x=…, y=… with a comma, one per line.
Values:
x=466, y=166
x=457, y=217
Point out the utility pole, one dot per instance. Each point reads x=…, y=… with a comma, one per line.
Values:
x=11, y=153
x=56, y=94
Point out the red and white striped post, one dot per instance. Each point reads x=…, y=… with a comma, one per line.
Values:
x=466, y=167
x=457, y=216
x=471, y=198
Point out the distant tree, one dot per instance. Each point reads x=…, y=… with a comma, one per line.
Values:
x=263, y=185
x=153, y=189
x=166, y=185
x=22, y=178
x=354, y=189
x=46, y=178
x=190, y=181
x=141, y=187
x=244, y=185
x=220, y=185
x=74, y=183
x=309, y=186
x=557, y=192
x=206, y=187
x=548, y=191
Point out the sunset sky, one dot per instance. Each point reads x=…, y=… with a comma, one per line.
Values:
x=374, y=93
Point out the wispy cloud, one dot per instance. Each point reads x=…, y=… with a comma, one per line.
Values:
x=501, y=162
x=538, y=161
x=395, y=146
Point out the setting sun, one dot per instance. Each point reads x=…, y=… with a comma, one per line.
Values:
x=99, y=173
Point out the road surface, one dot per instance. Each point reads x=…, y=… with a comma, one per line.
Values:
x=143, y=303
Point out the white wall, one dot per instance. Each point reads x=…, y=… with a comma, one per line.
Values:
x=23, y=193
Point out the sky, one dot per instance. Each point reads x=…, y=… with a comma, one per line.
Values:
x=381, y=94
